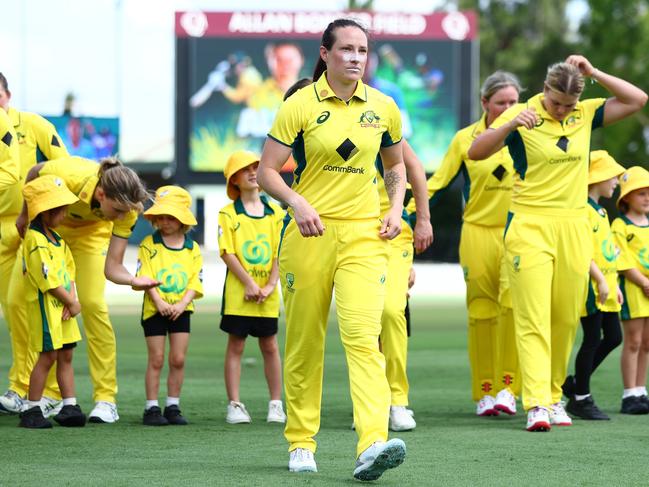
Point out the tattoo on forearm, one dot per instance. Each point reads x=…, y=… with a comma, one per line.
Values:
x=392, y=179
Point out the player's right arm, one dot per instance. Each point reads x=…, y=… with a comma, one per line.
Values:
x=493, y=139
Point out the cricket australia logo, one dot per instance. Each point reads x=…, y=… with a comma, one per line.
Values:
x=173, y=280
x=516, y=263
x=369, y=119
x=290, y=280
x=257, y=251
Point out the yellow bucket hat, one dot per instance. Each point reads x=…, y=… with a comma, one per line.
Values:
x=635, y=177
x=45, y=193
x=173, y=201
x=602, y=167
x=238, y=160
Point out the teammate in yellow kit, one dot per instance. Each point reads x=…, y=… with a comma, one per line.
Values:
x=631, y=233
x=547, y=243
x=333, y=240
x=96, y=229
x=51, y=301
x=9, y=157
x=487, y=193
x=172, y=257
x=604, y=296
x=394, y=330
x=248, y=242
x=36, y=140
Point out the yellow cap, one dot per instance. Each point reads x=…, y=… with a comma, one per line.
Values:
x=602, y=167
x=237, y=161
x=635, y=177
x=45, y=193
x=173, y=201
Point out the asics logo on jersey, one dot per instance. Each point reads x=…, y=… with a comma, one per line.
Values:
x=173, y=280
x=257, y=251
x=572, y=120
x=608, y=250
x=324, y=116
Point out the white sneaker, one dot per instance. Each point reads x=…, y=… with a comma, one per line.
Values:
x=506, y=402
x=410, y=412
x=558, y=415
x=10, y=402
x=103, y=412
x=538, y=419
x=275, y=412
x=486, y=407
x=301, y=460
x=50, y=406
x=237, y=413
x=400, y=420
x=378, y=458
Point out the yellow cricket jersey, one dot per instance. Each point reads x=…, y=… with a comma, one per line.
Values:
x=255, y=242
x=335, y=145
x=38, y=141
x=605, y=256
x=551, y=161
x=9, y=158
x=633, y=244
x=81, y=177
x=46, y=266
x=177, y=269
x=487, y=184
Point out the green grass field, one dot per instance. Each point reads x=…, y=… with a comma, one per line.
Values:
x=449, y=447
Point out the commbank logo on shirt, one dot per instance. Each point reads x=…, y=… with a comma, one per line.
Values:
x=499, y=172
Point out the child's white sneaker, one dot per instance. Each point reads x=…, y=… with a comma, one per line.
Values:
x=103, y=412
x=237, y=413
x=558, y=415
x=301, y=460
x=275, y=412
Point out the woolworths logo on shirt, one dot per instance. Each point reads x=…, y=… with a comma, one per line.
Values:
x=257, y=251
x=173, y=280
x=608, y=250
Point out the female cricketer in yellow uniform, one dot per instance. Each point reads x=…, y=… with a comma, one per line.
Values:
x=547, y=241
x=487, y=194
x=96, y=229
x=333, y=240
x=36, y=140
x=394, y=334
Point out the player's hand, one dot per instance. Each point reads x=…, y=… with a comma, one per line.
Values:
x=251, y=292
x=74, y=308
x=21, y=224
x=307, y=219
x=583, y=64
x=66, y=314
x=527, y=118
x=411, y=277
x=603, y=290
x=620, y=296
x=391, y=224
x=141, y=283
x=645, y=288
x=423, y=235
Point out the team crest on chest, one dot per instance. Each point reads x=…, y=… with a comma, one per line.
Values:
x=369, y=118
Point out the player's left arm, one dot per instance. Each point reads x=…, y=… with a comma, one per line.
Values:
x=627, y=98
x=417, y=178
x=394, y=178
x=115, y=270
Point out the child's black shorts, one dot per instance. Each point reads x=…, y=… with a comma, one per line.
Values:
x=159, y=325
x=243, y=326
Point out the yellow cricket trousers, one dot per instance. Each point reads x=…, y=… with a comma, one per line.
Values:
x=491, y=340
x=14, y=310
x=89, y=245
x=394, y=335
x=548, y=254
x=351, y=260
